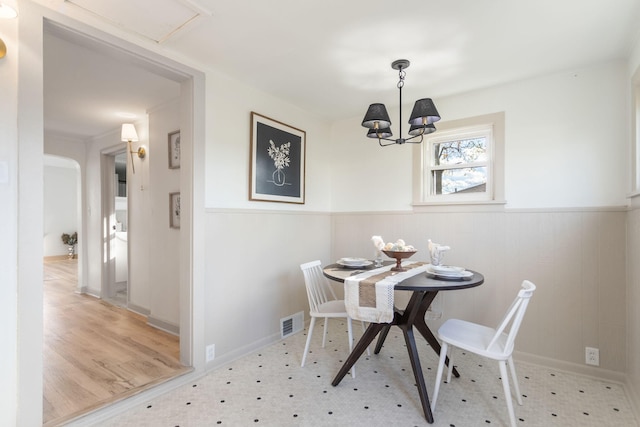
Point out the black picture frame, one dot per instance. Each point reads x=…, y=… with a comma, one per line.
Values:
x=277, y=164
x=174, y=150
x=174, y=210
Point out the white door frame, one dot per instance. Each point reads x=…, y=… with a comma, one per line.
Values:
x=31, y=27
x=107, y=168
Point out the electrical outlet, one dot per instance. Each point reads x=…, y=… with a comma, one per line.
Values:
x=211, y=352
x=592, y=356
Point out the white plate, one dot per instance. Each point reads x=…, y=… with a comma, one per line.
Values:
x=353, y=261
x=446, y=269
x=352, y=264
x=450, y=275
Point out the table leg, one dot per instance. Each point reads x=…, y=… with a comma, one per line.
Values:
x=417, y=371
x=424, y=330
x=381, y=338
x=412, y=316
x=368, y=336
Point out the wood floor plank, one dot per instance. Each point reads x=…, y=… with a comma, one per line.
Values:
x=96, y=353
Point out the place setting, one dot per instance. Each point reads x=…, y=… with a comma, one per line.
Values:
x=444, y=272
x=356, y=263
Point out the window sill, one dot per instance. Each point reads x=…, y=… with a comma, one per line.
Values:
x=461, y=206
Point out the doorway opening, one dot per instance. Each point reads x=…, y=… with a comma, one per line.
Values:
x=191, y=118
x=117, y=287
x=62, y=211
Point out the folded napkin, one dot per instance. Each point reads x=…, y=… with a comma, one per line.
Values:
x=368, y=296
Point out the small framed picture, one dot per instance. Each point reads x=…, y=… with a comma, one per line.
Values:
x=277, y=161
x=174, y=150
x=174, y=210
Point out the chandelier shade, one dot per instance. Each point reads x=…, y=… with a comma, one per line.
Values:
x=424, y=113
x=379, y=133
x=416, y=130
x=376, y=117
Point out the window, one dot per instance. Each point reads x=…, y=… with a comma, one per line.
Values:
x=463, y=162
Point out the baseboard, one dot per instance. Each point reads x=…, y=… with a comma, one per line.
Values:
x=634, y=399
x=575, y=368
x=58, y=257
x=137, y=309
x=163, y=326
x=224, y=359
x=86, y=291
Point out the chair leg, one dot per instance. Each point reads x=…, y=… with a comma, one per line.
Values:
x=507, y=392
x=515, y=381
x=450, y=367
x=324, y=335
x=363, y=330
x=350, y=334
x=443, y=357
x=306, y=347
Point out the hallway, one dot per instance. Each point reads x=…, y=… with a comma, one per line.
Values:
x=96, y=353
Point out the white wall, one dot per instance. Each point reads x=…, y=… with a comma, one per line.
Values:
x=566, y=144
x=163, y=243
x=633, y=251
x=229, y=106
x=9, y=226
x=272, y=238
x=139, y=230
x=61, y=185
x=29, y=208
x=254, y=249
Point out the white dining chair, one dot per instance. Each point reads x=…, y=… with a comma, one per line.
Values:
x=496, y=344
x=323, y=303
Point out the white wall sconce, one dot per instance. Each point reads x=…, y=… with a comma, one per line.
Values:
x=130, y=135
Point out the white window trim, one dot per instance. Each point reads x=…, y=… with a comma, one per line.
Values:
x=495, y=176
x=635, y=146
x=471, y=132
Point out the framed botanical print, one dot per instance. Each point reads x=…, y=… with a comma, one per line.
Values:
x=174, y=150
x=174, y=210
x=277, y=167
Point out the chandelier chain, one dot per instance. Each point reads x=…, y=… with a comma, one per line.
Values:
x=401, y=75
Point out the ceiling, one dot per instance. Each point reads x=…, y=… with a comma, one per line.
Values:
x=331, y=58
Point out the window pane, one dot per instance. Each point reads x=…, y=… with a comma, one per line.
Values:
x=460, y=152
x=464, y=180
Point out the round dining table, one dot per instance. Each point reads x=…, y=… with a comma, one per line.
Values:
x=424, y=288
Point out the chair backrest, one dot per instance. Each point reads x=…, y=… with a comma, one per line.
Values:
x=318, y=289
x=514, y=316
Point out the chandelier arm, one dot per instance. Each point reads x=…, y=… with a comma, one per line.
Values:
x=386, y=139
x=393, y=141
x=414, y=137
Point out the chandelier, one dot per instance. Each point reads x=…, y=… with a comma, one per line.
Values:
x=422, y=117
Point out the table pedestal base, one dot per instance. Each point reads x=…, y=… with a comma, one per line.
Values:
x=412, y=316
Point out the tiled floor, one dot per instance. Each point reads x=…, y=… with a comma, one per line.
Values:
x=269, y=388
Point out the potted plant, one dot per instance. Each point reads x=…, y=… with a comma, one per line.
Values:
x=70, y=240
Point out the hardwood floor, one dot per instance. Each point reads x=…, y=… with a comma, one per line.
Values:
x=96, y=353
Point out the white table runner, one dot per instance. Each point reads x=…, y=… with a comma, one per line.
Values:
x=360, y=291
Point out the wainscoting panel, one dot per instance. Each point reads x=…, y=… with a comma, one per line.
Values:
x=576, y=259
